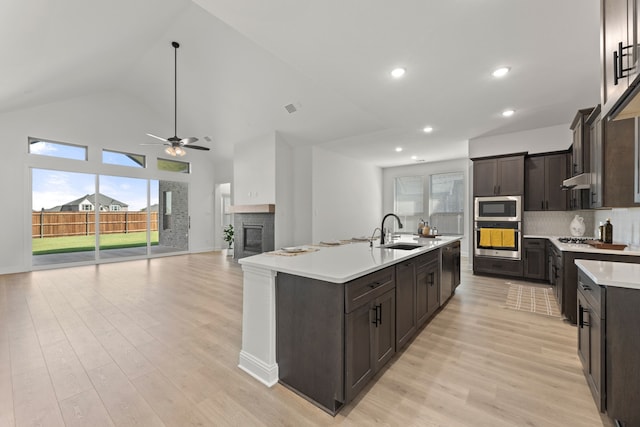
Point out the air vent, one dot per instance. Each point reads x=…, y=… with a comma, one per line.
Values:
x=290, y=108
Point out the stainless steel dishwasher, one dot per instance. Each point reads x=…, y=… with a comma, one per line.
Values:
x=450, y=274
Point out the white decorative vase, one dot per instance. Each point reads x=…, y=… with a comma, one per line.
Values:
x=577, y=226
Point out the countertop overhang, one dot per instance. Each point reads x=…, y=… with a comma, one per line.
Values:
x=340, y=264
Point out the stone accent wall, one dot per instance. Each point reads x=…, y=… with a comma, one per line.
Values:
x=173, y=228
x=265, y=221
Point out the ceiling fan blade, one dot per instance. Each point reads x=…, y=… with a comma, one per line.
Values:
x=157, y=137
x=154, y=143
x=189, y=140
x=197, y=147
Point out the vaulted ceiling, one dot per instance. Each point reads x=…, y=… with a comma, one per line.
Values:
x=242, y=61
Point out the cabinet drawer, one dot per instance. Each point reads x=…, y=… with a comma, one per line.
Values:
x=362, y=290
x=424, y=260
x=505, y=267
x=534, y=243
x=592, y=293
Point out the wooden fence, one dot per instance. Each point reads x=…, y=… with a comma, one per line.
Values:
x=58, y=224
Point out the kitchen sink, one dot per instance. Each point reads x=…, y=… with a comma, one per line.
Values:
x=402, y=246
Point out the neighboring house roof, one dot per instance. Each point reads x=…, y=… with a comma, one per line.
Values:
x=102, y=200
x=152, y=208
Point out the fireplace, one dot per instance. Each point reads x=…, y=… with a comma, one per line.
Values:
x=254, y=234
x=252, y=240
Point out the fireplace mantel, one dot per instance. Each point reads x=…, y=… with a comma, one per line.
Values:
x=252, y=208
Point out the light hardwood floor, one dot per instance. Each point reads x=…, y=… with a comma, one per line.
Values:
x=156, y=343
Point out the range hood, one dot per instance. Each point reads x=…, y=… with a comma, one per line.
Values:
x=578, y=182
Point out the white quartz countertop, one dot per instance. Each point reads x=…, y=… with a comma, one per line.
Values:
x=615, y=274
x=585, y=248
x=340, y=264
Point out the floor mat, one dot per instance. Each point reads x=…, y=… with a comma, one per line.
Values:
x=533, y=299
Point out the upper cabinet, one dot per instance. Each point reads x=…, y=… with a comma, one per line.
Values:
x=499, y=176
x=580, y=145
x=543, y=176
x=620, y=53
x=612, y=161
x=596, y=136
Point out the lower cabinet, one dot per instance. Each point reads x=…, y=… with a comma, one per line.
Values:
x=534, y=256
x=591, y=336
x=406, y=321
x=608, y=347
x=502, y=267
x=332, y=338
x=427, y=287
x=370, y=341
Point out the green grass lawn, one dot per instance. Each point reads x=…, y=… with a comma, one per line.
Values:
x=57, y=245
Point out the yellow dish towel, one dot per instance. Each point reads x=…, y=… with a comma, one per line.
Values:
x=508, y=238
x=485, y=237
x=496, y=237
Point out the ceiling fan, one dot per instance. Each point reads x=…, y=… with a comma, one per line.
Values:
x=176, y=145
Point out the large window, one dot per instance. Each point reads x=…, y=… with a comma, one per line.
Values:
x=409, y=195
x=72, y=212
x=446, y=202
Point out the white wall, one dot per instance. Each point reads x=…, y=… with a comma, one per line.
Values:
x=346, y=196
x=254, y=171
x=104, y=120
x=626, y=225
x=426, y=169
x=542, y=140
x=285, y=214
x=303, y=195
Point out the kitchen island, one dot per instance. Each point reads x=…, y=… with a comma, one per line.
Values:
x=307, y=317
x=608, y=336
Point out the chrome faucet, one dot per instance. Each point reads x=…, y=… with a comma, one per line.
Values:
x=382, y=226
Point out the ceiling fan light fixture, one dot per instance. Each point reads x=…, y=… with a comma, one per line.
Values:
x=175, y=145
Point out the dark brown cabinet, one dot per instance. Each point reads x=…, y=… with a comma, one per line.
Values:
x=591, y=336
x=580, y=143
x=501, y=267
x=612, y=162
x=619, y=41
x=370, y=341
x=498, y=176
x=534, y=259
x=619, y=164
x=566, y=276
x=406, y=319
x=608, y=347
x=622, y=339
x=596, y=138
x=543, y=182
x=332, y=338
x=427, y=287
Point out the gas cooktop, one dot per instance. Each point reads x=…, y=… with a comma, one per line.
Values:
x=580, y=240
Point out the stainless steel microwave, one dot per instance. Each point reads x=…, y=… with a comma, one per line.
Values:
x=498, y=208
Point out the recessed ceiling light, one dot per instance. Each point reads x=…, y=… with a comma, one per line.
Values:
x=414, y=157
x=500, y=72
x=427, y=129
x=508, y=113
x=398, y=149
x=398, y=72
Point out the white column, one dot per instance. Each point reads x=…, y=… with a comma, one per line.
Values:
x=258, y=353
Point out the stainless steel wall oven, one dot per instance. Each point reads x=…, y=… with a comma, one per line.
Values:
x=498, y=227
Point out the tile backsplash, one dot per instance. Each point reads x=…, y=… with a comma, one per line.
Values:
x=626, y=224
x=556, y=223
